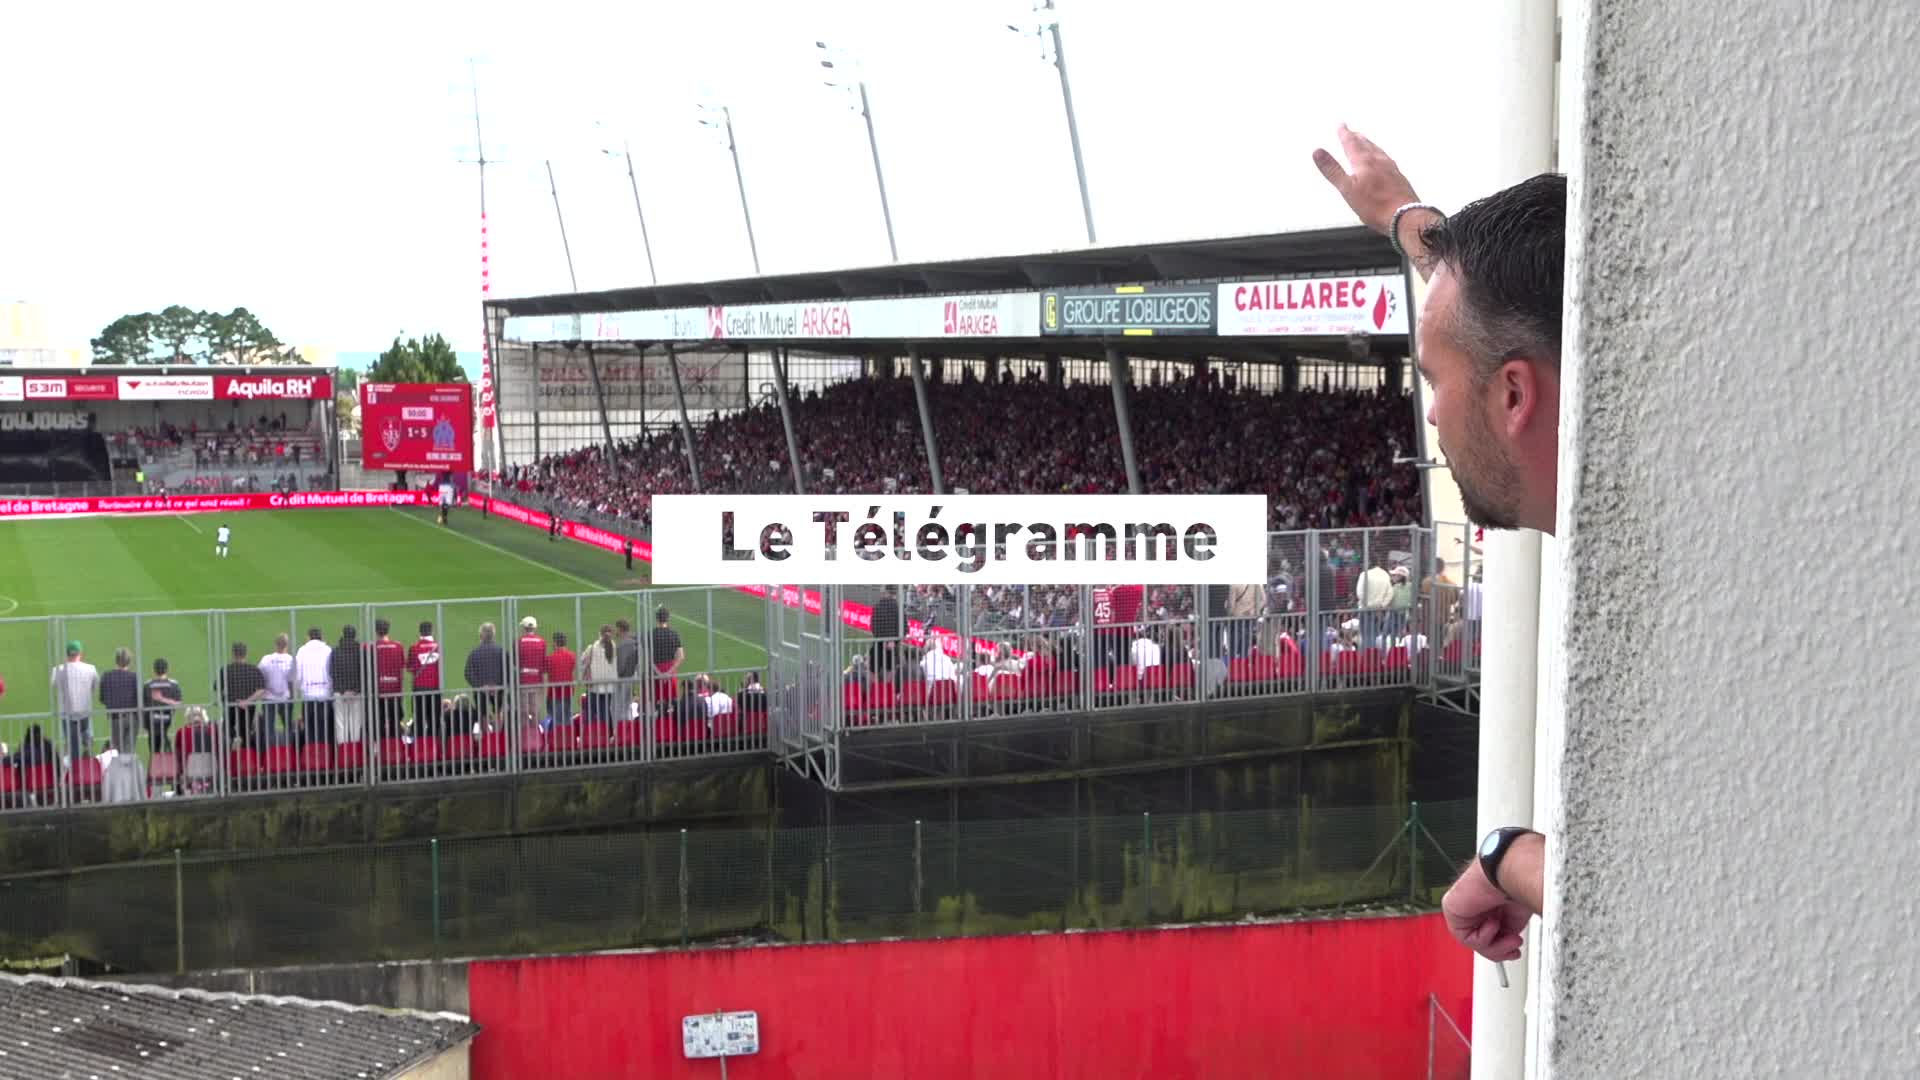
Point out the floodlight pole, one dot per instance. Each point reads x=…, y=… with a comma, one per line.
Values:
x=740, y=180
x=644, y=241
x=564, y=246
x=879, y=177
x=1073, y=125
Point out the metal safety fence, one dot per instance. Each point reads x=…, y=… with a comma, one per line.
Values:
x=237, y=701
x=563, y=893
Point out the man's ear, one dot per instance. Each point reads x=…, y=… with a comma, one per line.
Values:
x=1521, y=391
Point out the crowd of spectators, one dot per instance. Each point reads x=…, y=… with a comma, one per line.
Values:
x=1324, y=458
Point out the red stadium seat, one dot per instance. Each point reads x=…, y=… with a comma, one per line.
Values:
x=426, y=751
x=85, y=777
x=493, y=745
x=317, y=757
x=595, y=736
x=280, y=759
x=394, y=753
x=628, y=733
x=351, y=758
x=460, y=748
x=37, y=779
x=243, y=763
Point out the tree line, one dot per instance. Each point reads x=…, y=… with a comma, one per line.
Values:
x=180, y=335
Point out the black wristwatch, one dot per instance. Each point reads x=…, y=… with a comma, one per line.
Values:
x=1494, y=848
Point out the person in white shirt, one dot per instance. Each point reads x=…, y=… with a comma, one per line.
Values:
x=1145, y=651
x=220, y=538
x=310, y=667
x=74, y=685
x=718, y=703
x=276, y=670
x=937, y=666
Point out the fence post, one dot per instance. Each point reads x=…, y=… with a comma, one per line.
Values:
x=684, y=929
x=1146, y=867
x=1413, y=852
x=179, y=916
x=917, y=863
x=433, y=851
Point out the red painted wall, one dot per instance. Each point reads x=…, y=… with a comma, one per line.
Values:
x=1343, y=998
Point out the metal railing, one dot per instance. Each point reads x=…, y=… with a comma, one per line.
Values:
x=551, y=892
x=1336, y=614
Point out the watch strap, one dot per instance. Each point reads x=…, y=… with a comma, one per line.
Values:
x=1494, y=848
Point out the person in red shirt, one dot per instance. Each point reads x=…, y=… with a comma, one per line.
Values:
x=1115, y=619
x=531, y=651
x=560, y=667
x=423, y=663
x=389, y=681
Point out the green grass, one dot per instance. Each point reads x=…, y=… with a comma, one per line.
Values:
x=152, y=584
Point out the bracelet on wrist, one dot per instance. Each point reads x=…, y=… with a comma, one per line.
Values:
x=1393, y=230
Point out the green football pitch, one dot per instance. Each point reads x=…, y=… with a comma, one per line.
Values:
x=87, y=579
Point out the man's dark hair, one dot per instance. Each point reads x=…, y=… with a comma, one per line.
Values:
x=160, y=666
x=560, y=639
x=1508, y=252
x=239, y=649
x=426, y=629
x=314, y=634
x=382, y=627
x=623, y=626
x=660, y=615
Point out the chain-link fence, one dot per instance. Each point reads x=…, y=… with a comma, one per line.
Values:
x=555, y=893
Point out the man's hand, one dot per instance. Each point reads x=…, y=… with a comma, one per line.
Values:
x=1375, y=188
x=1482, y=918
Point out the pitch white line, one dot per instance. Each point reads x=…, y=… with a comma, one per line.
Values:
x=189, y=523
x=595, y=586
x=12, y=605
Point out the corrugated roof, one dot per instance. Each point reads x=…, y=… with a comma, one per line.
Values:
x=78, y=1029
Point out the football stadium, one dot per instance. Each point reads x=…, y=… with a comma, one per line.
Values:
x=354, y=721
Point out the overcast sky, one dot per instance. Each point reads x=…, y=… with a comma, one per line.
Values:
x=305, y=161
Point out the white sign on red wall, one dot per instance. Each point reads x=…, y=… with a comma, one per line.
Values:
x=166, y=388
x=13, y=388
x=1314, y=307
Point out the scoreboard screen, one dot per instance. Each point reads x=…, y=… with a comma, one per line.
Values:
x=426, y=426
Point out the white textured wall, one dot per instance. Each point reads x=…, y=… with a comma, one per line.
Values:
x=1735, y=884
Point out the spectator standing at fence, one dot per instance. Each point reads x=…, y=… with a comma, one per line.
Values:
x=600, y=670
x=240, y=689
x=668, y=652
x=346, y=670
x=486, y=672
x=120, y=693
x=161, y=696
x=423, y=663
x=312, y=669
x=74, y=684
x=1402, y=605
x=389, y=680
x=276, y=716
x=885, y=627
x=531, y=652
x=561, y=665
x=1373, y=594
x=626, y=655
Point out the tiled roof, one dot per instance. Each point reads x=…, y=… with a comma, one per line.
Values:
x=77, y=1029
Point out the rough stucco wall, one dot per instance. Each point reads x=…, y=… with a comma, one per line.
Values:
x=1733, y=889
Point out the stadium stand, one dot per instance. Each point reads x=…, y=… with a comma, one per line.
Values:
x=1324, y=457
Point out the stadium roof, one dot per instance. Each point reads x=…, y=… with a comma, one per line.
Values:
x=1322, y=251
x=80, y=1028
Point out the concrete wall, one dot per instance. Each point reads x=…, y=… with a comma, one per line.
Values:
x=1731, y=886
x=426, y=985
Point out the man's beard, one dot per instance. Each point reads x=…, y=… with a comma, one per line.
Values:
x=1488, y=480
